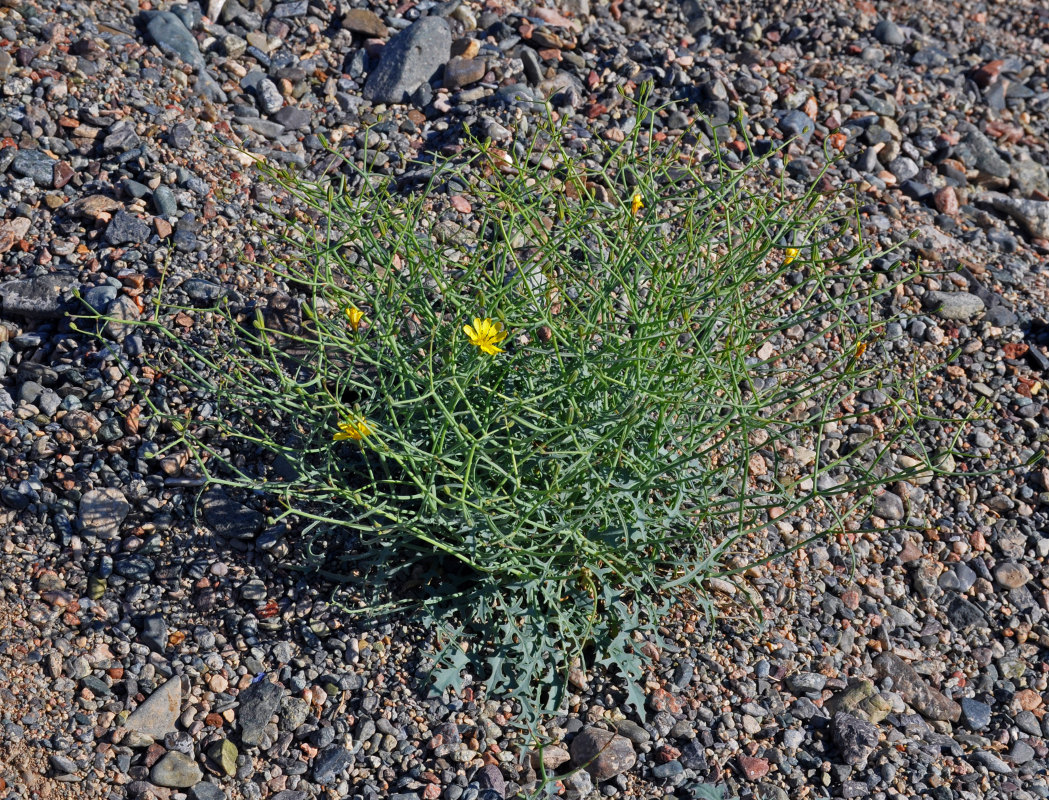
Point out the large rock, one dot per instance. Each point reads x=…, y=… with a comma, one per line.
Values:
x=601, y=753
x=856, y=738
x=409, y=59
x=157, y=715
x=37, y=298
x=927, y=701
x=1033, y=215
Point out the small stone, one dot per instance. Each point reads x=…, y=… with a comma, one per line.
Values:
x=36, y=298
x=855, y=737
x=753, y=769
x=946, y=200
x=797, y=123
x=991, y=762
x=1021, y=753
x=964, y=614
x=365, y=22
x=1011, y=575
x=806, y=682
x=889, y=506
x=102, y=511
x=459, y=72
x=230, y=519
x=602, y=753
x=159, y=712
x=175, y=770
x=850, y=698
x=36, y=165
x=293, y=118
x=888, y=32
x=490, y=778
x=268, y=97
x=961, y=306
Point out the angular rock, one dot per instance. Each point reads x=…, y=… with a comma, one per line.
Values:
x=258, y=703
x=330, y=763
x=159, y=712
x=855, y=737
x=409, y=59
x=205, y=791
x=36, y=165
x=224, y=754
x=797, y=123
x=102, y=511
x=490, y=778
x=927, y=701
x=602, y=754
x=126, y=228
x=975, y=714
x=175, y=770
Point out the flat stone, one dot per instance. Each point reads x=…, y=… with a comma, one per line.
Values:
x=805, y=682
x=12, y=231
x=34, y=164
x=159, y=712
x=409, y=59
x=1033, y=215
x=889, y=506
x=461, y=72
x=229, y=518
x=102, y=511
x=205, y=791
x=293, y=118
x=601, y=753
x=989, y=760
x=1011, y=575
x=964, y=614
x=797, y=123
x=856, y=738
x=927, y=701
x=363, y=21
x=258, y=703
x=850, y=698
x=176, y=770
x=37, y=298
x=753, y=769
x=961, y=306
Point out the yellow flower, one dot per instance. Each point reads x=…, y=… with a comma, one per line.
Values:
x=355, y=428
x=792, y=253
x=636, y=204
x=355, y=315
x=486, y=334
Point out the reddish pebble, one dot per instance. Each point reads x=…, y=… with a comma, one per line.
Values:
x=431, y=792
x=753, y=768
x=946, y=200
x=667, y=753
x=662, y=700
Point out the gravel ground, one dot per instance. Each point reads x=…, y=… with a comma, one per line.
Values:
x=148, y=646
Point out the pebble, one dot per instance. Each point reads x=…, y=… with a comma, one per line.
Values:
x=927, y=701
x=954, y=305
x=102, y=511
x=409, y=60
x=158, y=713
x=175, y=770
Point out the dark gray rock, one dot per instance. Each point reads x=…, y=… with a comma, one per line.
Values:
x=164, y=201
x=330, y=763
x=409, y=59
x=855, y=737
x=799, y=124
x=205, y=791
x=36, y=165
x=154, y=632
x=964, y=614
x=293, y=118
x=258, y=703
x=490, y=778
x=126, y=228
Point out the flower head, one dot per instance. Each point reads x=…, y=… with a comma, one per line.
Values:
x=636, y=204
x=355, y=428
x=792, y=253
x=486, y=334
x=354, y=315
